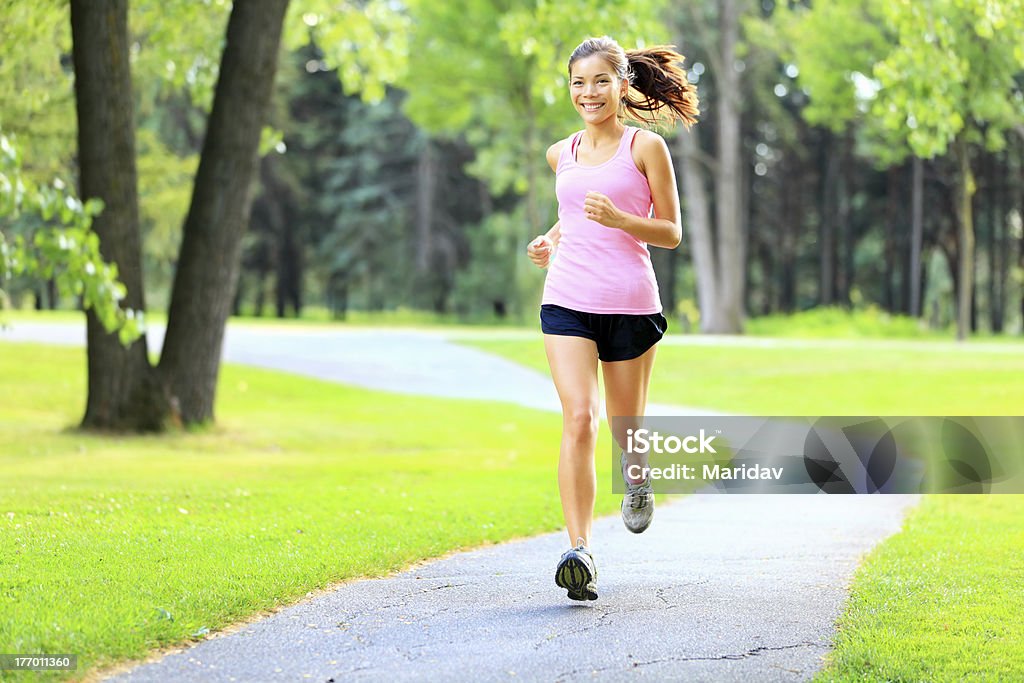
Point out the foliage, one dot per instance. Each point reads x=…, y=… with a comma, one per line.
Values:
x=835, y=47
x=915, y=73
x=165, y=182
x=366, y=41
x=487, y=284
x=45, y=230
x=36, y=86
x=367, y=200
x=953, y=67
x=869, y=322
x=176, y=48
x=496, y=72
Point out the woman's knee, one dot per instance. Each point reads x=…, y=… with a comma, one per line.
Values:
x=580, y=422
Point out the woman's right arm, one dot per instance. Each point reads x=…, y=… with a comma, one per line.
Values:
x=541, y=247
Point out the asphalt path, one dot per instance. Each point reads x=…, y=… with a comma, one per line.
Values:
x=402, y=361
x=720, y=588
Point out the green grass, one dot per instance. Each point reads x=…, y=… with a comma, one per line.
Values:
x=111, y=546
x=822, y=378
x=941, y=601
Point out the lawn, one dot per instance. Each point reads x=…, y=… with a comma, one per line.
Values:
x=806, y=377
x=111, y=546
x=941, y=601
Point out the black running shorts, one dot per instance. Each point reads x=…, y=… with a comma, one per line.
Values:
x=618, y=336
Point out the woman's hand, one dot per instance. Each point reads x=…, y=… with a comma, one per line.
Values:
x=598, y=207
x=539, y=250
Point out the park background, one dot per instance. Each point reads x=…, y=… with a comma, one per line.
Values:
x=858, y=171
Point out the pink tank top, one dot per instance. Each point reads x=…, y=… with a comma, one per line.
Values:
x=597, y=269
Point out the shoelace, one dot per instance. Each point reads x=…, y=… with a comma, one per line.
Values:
x=637, y=497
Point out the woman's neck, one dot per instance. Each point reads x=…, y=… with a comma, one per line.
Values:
x=608, y=132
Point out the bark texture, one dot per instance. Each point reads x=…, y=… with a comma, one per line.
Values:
x=207, y=274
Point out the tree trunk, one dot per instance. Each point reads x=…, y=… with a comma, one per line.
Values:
x=427, y=287
x=827, y=228
x=728, y=179
x=998, y=171
x=844, y=284
x=426, y=174
x=221, y=202
x=278, y=218
x=289, y=267
x=664, y=262
x=1018, y=201
x=52, y=294
x=890, y=301
x=698, y=223
x=965, y=245
x=917, y=233
x=121, y=384
x=787, y=237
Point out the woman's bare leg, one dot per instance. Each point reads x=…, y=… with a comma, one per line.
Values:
x=573, y=363
x=625, y=388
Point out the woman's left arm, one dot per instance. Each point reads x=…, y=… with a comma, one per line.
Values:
x=665, y=228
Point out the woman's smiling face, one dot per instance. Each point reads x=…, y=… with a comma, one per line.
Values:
x=595, y=89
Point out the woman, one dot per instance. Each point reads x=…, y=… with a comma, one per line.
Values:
x=616, y=194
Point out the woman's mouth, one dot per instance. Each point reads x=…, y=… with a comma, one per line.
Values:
x=592, y=106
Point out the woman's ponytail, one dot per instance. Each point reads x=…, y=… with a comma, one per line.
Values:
x=659, y=91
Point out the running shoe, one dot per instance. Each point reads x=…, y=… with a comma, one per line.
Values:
x=577, y=573
x=637, y=503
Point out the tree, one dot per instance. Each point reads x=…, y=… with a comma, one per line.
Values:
x=719, y=250
x=937, y=77
x=119, y=377
x=208, y=267
x=950, y=83
x=125, y=391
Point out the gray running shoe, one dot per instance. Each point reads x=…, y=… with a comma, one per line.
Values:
x=577, y=573
x=637, y=503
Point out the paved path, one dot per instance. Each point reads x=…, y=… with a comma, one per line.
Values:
x=721, y=587
x=403, y=361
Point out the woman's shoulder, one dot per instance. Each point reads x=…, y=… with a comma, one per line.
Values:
x=555, y=151
x=647, y=146
x=647, y=139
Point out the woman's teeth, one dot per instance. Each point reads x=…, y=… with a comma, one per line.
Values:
x=593, y=107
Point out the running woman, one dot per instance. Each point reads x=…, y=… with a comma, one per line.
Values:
x=616, y=193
